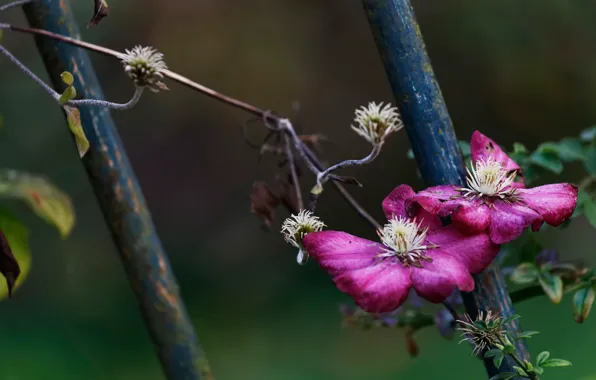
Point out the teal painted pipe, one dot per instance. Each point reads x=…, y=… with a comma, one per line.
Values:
x=122, y=203
x=430, y=130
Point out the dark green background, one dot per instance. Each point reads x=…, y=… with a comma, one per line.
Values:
x=517, y=70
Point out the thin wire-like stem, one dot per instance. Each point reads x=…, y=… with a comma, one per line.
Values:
x=166, y=73
x=14, y=4
x=323, y=176
x=29, y=73
x=77, y=102
x=342, y=190
x=293, y=173
x=115, y=106
x=305, y=153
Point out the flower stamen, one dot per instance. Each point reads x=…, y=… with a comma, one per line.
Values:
x=489, y=179
x=405, y=240
x=296, y=227
x=377, y=121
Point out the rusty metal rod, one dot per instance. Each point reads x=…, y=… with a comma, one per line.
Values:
x=122, y=203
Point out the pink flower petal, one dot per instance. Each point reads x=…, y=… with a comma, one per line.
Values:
x=379, y=288
x=555, y=203
x=476, y=252
x=509, y=220
x=434, y=198
x=394, y=203
x=482, y=148
x=338, y=252
x=399, y=204
x=471, y=217
x=438, y=279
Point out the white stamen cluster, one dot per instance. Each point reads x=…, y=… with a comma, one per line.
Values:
x=405, y=240
x=377, y=121
x=295, y=227
x=144, y=65
x=489, y=178
x=486, y=331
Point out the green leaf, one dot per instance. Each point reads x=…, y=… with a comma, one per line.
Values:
x=590, y=162
x=510, y=319
x=67, y=78
x=46, y=200
x=538, y=370
x=547, y=160
x=552, y=286
x=519, y=148
x=504, y=376
x=526, y=335
x=17, y=235
x=520, y=371
x=69, y=94
x=73, y=117
x=464, y=146
x=582, y=303
x=555, y=363
x=570, y=149
x=588, y=135
x=589, y=207
x=541, y=357
x=525, y=273
x=497, y=356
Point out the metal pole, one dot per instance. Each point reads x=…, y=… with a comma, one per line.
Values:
x=430, y=130
x=120, y=198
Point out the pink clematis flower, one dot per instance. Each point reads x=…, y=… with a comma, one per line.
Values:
x=494, y=201
x=414, y=253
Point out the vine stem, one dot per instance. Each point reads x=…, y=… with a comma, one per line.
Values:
x=520, y=363
x=306, y=153
x=322, y=176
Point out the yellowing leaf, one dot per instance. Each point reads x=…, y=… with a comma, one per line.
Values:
x=73, y=117
x=46, y=200
x=67, y=78
x=17, y=235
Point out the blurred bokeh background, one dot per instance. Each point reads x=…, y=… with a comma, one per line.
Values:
x=517, y=70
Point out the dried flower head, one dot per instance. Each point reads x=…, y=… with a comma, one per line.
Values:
x=376, y=122
x=296, y=227
x=486, y=331
x=145, y=66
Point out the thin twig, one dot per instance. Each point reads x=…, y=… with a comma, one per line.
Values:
x=292, y=164
x=310, y=158
x=14, y=4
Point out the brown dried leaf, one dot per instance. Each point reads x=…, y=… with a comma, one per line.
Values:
x=100, y=10
x=289, y=198
x=9, y=267
x=263, y=202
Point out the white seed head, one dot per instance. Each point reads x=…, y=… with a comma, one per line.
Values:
x=145, y=66
x=377, y=121
x=405, y=239
x=295, y=227
x=489, y=178
x=485, y=333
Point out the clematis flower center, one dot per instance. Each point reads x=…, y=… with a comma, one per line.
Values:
x=405, y=240
x=489, y=179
